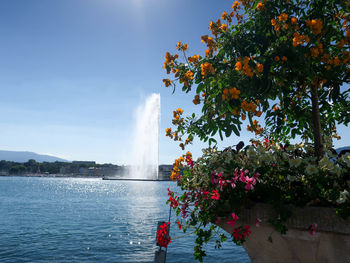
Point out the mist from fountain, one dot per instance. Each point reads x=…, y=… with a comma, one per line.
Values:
x=145, y=148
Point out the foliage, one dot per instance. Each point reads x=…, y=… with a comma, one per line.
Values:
x=268, y=62
x=31, y=166
x=286, y=61
x=220, y=182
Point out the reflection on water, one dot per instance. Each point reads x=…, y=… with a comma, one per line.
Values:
x=89, y=220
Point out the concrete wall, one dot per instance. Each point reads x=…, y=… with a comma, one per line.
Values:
x=330, y=243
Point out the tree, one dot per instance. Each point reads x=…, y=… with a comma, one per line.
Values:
x=286, y=59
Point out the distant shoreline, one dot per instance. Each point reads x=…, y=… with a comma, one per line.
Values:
x=83, y=176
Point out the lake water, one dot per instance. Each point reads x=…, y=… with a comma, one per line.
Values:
x=91, y=220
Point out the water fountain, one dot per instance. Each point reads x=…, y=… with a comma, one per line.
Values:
x=145, y=149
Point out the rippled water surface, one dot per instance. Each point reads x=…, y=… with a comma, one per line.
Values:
x=90, y=220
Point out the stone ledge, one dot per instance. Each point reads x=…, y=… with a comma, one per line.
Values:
x=325, y=218
x=330, y=243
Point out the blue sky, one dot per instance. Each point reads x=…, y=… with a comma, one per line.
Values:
x=72, y=73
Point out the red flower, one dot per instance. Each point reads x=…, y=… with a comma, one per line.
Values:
x=215, y=195
x=163, y=238
x=173, y=202
x=179, y=224
x=233, y=221
x=237, y=234
x=205, y=193
x=246, y=231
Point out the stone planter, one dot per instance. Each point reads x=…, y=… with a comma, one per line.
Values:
x=330, y=243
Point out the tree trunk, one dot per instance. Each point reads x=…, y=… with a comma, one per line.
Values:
x=316, y=121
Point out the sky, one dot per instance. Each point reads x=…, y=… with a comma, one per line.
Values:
x=73, y=72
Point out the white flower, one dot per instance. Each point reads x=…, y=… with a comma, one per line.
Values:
x=326, y=164
x=291, y=178
x=342, y=197
x=295, y=162
x=311, y=169
x=346, y=159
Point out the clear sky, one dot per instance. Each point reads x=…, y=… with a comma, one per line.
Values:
x=72, y=73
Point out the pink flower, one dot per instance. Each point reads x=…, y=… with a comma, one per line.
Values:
x=233, y=221
x=189, y=161
x=257, y=222
x=231, y=182
x=214, y=178
x=312, y=229
x=215, y=195
x=222, y=183
x=246, y=231
x=242, y=175
x=250, y=182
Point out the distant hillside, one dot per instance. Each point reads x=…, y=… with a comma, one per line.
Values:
x=22, y=157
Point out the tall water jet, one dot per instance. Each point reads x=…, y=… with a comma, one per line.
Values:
x=145, y=150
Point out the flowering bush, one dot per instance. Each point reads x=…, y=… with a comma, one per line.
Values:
x=286, y=61
x=220, y=182
x=285, y=58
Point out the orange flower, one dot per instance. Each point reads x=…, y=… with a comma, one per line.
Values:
x=248, y=106
x=207, y=68
x=236, y=112
x=341, y=43
x=234, y=93
x=273, y=22
x=238, y=66
x=314, y=52
x=283, y=17
x=284, y=58
x=336, y=61
x=260, y=68
x=235, y=5
x=260, y=6
x=277, y=58
x=167, y=82
x=294, y=20
x=315, y=25
x=224, y=15
x=178, y=46
x=196, y=100
x=179, y=111
x=194, y=59
x=189, y=75
x=223, y=27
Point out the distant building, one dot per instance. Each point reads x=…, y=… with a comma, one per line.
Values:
x=84, y=162
x=165, y=170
